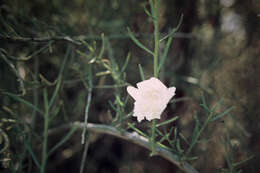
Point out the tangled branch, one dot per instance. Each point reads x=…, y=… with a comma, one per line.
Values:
x=5, y=138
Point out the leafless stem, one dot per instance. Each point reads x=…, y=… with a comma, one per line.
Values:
x=84, y=156
x=40, y=39
x=77, y=39
x=19, y=78
x=131, y=137
x=6, y=141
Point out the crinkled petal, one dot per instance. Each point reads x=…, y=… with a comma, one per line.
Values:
x=171, y=93
x=140, y=118
x=148, y=111
x=132, y=91
x=152, y=83
x=138, y=113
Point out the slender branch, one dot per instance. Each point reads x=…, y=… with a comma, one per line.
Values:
x=45, y=132
x=40, y=39
x=131, y=137
x=6, y=141
x=84, y=156
x=19, y=78
x=77, y=39
x=155, y=13
x=86, y=114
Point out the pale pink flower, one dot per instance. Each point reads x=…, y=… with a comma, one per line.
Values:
x=151, y=98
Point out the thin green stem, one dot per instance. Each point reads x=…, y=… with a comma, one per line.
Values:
x=35, y=92
x=84, y=156
x=88, y=103
x=155, y=14
x=156, y=37
x=199, y=132
x=45, y=132
x=153, y=139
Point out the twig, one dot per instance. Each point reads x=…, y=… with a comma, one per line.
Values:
x=84, y=156
x=19, y=78
x=88, y=104
x=77, y=39
x=131, y=137
x=86, y=114
x=6, y=141
x=40, y=39
x=45, y=132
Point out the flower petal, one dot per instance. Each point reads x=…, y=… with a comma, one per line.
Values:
x=171, y=92
x=151, y=83
x=140, y=118
x=132, y=91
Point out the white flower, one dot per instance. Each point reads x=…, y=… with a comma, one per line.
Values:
x=151, y=98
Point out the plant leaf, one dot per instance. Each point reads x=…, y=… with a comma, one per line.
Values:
x=141, y=71
x=222, y=114
x=137, y=42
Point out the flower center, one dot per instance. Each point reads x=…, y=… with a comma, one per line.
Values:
x=152, y=95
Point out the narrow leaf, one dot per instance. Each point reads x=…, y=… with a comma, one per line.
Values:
x=163, y=139
x=196, y=130
x=42, y=49
x=216, y=105
x=137, y=42
x=222, y=114
x=102, y=47
x=174, y=30
x=184, y=138
x=175, y=135
x=141, y=71
x=137, y=130
x=63, y=140
x=165, y=52
x=167, y=121
x=103, y=73
x=28, y=147
x=55, y=91
x=126, y=62
x=159, y=132
x=17, y=98
x=204, y=104
x=147, y=12
x=168, y=44
x=178, y=146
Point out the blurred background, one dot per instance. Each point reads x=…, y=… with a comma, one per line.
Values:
x=216, y=51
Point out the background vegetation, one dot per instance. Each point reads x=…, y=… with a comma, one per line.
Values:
x=61, y=59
